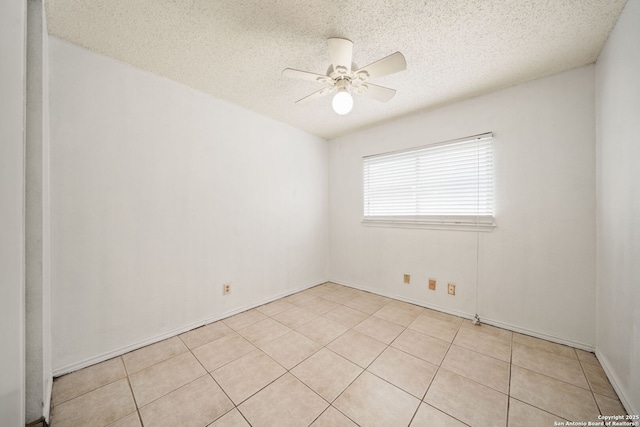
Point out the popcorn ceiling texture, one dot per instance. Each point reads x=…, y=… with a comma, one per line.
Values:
x=236, y=49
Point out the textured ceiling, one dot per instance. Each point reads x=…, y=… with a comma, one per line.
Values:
x=236, y=49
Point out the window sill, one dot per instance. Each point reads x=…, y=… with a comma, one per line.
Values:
x=439, y=224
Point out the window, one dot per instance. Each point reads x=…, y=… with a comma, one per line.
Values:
x=444, y=185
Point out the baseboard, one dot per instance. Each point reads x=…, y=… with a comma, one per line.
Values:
x=615, y=382
x=46, y=410
x=536, y=334
x=168, y=334
x=465, y=315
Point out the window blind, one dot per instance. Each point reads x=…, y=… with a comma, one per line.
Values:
x=447, y=184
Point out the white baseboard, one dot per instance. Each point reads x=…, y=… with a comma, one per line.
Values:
x=615, y=382
x=536, y=334
x=465, y=315
x=168, y=334
x=46, y=410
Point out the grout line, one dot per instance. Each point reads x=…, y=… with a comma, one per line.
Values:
x=510, y=377
x=540, y=409
x=135, y=401
x=346, y=416
x=593, y=396
x=553, y=378
x=89, y=391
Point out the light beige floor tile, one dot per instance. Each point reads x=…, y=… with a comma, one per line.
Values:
x=263, y=331
x=370, y=401
x=246, y=375
x=407, y=306
x=551, y=364
x=521, y=414
x=333, y=418
x=346, y=316
x=155, y=381
x=403, y=370
x=290, y=349
x=222, y=351
x=285, y=403
x=378, y=298
x=423, y=346
x=232, y=418
x=322, y=330
x=327, y=286
x=609, y=406
x=478, y=367
x=152, y=354
x=334, y=285
x=340, y=296
x=428, y=416
x=318, y=291
x=441, y=329
x=295, y=317
x=79, y=382
x=131, y=420
x=443, y=317
x=483, y=343
x=564, y=400
x=298, y=298
x=598, y=380
x=329, y=294
x=357, y=292
x=549, y=346
x=358, y=348
x=195, y=404
x=318, y=305
x=366, y=304
x=96, y=408
x=380, y=329
x=495, y=332
x=327, y=373
x=467, y=401
x=275, y=307
x=397, y=314
x=244, y=319
x=587, y=357
x=205, y=334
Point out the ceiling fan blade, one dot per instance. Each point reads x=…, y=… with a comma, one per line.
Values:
x=341, y=52
x=314, y=96
x=379, y=93
x=305, y=75
x=385, y=66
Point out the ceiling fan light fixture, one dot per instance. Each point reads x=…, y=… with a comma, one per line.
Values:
x=342, y=102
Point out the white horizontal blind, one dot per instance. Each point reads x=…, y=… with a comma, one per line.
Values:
x=448, y=183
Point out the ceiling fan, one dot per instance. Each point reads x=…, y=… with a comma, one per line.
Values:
x=345, y=78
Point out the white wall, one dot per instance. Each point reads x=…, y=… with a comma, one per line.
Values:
x=37, y=218
x=12, y=101
x=160, y=194
x=536, y=269
x=618, y=206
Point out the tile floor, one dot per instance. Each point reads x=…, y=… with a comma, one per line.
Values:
x=336, y=356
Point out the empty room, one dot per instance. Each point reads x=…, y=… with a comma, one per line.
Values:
x=293, y=213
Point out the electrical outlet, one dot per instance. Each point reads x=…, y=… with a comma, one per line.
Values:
x=407, y=278
x=432, y=284
x=226, y=289
x=452, y=289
